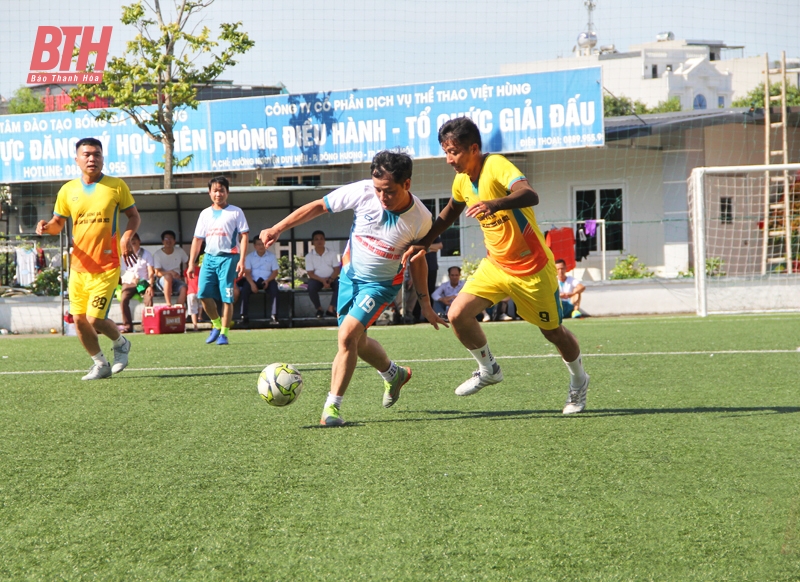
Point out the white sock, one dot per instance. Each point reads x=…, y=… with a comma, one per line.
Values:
x=337, y=400
x=576, y=372
x=119, y=342
x=389, y=374
x=100, y=359
x=485, y=359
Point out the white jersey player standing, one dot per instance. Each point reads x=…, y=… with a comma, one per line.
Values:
x=387, y=219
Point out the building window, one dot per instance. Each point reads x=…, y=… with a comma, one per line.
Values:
x=29, y=215
x=605, y=203
x=726, y=209
x=287, y=181
x=699, y=102
x=311, y=180
x=655, y=72
x=721, y=102
x=451, y=238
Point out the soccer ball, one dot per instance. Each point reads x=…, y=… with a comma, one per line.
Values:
x=280, y=384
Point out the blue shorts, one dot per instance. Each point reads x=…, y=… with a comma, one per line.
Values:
x=364, y=300
x=217, y=276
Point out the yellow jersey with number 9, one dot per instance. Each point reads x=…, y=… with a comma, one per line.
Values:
x=513, y=240
x=94, y=209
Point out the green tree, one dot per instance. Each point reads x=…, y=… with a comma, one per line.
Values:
x=755, y=98
x=24, y=101
x=619, y=106
x=668, y=106
x=159, y=68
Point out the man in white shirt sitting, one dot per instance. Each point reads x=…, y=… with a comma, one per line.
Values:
x=260, y=272
x=446, y=292
x=170, y=262
x=570, y=290
x=322, y=266
x=136, y=280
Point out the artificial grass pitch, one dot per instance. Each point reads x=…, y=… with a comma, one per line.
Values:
x=684, y=466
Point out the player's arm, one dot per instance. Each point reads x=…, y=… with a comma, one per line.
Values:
x=194, y=252
x=521, y=196
x=240, y=268
x=300, y=216
x=54, y=226
x=445, y=220
x=134, y=220
x=419, y=278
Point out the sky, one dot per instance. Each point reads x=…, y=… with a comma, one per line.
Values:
x=321, y=45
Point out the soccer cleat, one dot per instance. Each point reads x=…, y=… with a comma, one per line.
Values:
x=391, y=392
x=212, y=337
x=121, y=357
x=576, y=314
x=222, y=340
x=331, y=416
x=576, y=401
x=98, y=372
x=505, y=317
x=486, y=317
x=480, y=380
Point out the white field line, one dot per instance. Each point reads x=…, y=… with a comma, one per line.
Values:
x=418, y=361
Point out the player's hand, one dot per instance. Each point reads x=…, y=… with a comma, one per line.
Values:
x=563, y=296
x=189, y=274
x=148, y=292
x=41, y=227
x=269, y=236
x=484, y=207
x=413, y=253
x=240, y=269
x=428, y=313
x=127, y=251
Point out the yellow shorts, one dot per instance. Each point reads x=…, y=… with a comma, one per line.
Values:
x=91, y=293
x=536, y=296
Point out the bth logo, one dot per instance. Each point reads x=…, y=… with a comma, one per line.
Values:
x=50, y=55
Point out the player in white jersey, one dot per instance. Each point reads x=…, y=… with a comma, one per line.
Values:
x=224, y=229
x=387, y=219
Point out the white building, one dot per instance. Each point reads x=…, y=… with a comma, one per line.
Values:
x=656, y=71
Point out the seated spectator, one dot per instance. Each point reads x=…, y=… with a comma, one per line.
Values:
x=445, y=293
x=260, y=272
x=322, y=266
x=570, y=290
x=136, y=280
x=170, y=262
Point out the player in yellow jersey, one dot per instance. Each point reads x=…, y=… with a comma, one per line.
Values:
x=518, y=263
x=94, y=202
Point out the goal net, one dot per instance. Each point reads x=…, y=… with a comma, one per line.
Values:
x=746, y=235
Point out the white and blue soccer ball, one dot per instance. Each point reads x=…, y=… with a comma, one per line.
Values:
x=280, y=384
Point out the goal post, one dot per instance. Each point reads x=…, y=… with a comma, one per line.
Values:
x=746, y=238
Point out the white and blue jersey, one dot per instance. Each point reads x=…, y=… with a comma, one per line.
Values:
x=378, y=237
x=221, y=229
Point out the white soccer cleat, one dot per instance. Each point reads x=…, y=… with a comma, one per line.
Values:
x=121, y=357
x=576, y=401
x=480, y=380
x=98, y=372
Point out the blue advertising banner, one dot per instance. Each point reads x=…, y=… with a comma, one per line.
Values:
x=542, y=111
x=516, y=113
x=41, y=147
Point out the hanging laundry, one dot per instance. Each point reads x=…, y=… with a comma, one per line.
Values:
x=582, y=244
x=26, y=267
x=562, y=242
x=591, y=227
